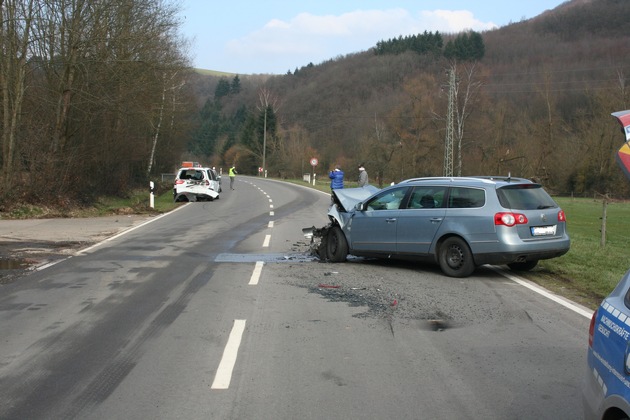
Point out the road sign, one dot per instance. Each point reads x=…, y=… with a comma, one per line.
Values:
x=260, y=169
x=314, y=162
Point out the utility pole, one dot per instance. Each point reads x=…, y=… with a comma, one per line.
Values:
x=264, y=167
x=448, y=142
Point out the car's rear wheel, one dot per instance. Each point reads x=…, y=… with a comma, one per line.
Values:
x=523, y=266
x=336, y=245
x=455, y=258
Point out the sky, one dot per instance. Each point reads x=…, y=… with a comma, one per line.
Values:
x=277, y=36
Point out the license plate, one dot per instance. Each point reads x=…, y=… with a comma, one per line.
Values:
x=543, y=230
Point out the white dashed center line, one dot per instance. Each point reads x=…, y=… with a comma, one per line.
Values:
x=253, y=281
x=224, y=372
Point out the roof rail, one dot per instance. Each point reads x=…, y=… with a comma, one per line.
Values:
x=461, y=178
x=503, y=178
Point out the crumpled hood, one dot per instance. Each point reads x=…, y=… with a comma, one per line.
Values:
x=349, y=197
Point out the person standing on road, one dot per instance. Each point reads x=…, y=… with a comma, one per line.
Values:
x=232, y=175
x=363, y=176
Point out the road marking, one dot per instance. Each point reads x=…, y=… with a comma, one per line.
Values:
x=226, y=366
x=531, y=286
x=267, y=240
x=270, y=225
x=253, y=281
x=131, y=229
x=270, y=206
x=271, y=213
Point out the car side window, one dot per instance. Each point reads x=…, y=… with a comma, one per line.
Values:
x=387, y=200
x=426, y=197
x=464, y=198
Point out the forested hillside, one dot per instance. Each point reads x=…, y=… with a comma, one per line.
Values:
x=536, y=103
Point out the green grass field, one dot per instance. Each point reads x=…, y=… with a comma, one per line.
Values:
x=591, y=269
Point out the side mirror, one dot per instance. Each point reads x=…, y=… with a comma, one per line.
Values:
x=359, y=207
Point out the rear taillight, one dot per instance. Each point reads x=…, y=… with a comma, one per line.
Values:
x=591, y=329
x=509, y=219
x=179, y=181
x=561, y=216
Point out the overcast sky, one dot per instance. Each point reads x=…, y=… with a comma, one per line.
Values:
x=276, y=36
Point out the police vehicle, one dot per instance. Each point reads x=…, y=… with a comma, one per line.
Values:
x=606, y=388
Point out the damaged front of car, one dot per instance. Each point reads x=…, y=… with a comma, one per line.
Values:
x=333, y=245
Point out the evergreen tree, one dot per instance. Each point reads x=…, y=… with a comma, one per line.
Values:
x=235, y=88
x=465, y=47
x=222, y=89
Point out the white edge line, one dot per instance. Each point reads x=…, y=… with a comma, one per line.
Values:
x=124, y=232
x=585, y=312
x=50, y=264
x=253, y=281
x=224, y=372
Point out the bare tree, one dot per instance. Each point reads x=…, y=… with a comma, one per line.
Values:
x=266, y=101
x=464, y=99
x=16, y=18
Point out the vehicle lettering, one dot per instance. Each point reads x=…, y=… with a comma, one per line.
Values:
x=616, y=328
x=603, y=330
x=612, y=370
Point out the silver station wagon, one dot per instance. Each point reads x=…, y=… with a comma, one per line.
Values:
x=457, y=222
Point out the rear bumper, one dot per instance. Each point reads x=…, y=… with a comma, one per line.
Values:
x=592, y=395
x=499, y=258
x=498, y=252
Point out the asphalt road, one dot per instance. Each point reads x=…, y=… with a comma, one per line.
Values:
x=216, y=311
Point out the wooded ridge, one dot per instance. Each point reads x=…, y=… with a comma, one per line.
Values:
x=537, y=104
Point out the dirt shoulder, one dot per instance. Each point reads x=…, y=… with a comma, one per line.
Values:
x=28, y=244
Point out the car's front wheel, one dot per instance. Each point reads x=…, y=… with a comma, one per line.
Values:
x=455, y=258
x=336, y=245
x=523, y=266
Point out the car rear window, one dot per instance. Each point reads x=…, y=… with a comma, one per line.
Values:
x=193, y=174
x=464, y=198
x=525, y=197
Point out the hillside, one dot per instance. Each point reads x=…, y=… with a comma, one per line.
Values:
x=539, y=104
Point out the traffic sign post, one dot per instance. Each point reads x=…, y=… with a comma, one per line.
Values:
x=314, y=163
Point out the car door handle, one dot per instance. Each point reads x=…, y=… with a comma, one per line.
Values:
x=392, y=220
x=436, y=219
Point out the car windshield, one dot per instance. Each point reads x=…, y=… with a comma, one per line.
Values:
x=525, y=197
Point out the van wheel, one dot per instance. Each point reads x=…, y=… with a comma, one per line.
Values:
x=455, y=258
x=336, y=245
x=523, y=266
